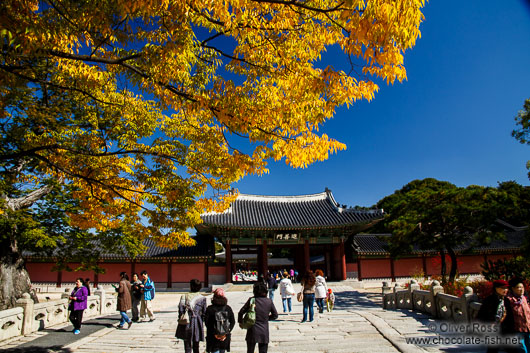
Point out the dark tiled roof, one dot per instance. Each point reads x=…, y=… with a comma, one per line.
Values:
x=273, y=212
x=203, y=248
x=374, y=244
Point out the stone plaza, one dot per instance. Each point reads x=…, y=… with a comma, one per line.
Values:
x=357, y=324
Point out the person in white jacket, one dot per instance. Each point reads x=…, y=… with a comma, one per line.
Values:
x=321, y=290
x=286, y=291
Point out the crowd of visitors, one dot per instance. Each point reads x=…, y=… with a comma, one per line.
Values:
x=507, y=308
x=131, y=295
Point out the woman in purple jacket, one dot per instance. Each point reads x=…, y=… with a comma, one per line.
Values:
x=78, y=299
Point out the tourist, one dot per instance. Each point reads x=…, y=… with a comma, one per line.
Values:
x=291, y=274
x=330, y=300
x=492, y=311
x=321, y=290
x=518, y=314
x=136, y=296
x=286, y=291
x=192, y=307
x=86, y=283
x=124, y=300
x=146, y=305
x=271, y=285
x=265, y=311
x=308, y=289
x=218, y=342
x=78, y=304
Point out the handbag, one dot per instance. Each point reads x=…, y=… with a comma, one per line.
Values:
x=300, y=296
x=249, y=319
x=183, y=319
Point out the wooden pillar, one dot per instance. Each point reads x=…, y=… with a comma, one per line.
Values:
x=169, y=273
x=264, y=269
x=60, y=279
x=228, y=262
x=206, y=270
x=96, y=280
x=392, y=272
x=307, y=263
x=342, y=254
x=359, y=274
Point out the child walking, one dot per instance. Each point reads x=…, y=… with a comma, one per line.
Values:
x=330, y=300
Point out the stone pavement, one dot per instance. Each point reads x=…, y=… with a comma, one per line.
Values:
x=358, y=324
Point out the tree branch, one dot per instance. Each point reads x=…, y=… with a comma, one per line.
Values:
x=27, y=200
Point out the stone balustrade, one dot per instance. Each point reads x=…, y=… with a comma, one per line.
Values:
x=433, y=301
x=28, y=317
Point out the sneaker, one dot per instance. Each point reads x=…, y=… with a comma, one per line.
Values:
x=129, y=324
x=153, y=319
x=302, y=321
x=77, y=332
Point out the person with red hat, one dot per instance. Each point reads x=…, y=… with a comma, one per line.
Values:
x=492, y=310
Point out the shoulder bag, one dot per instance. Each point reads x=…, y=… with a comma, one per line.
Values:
x=249, y=319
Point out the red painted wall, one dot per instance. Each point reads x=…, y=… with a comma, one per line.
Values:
x=375, y=268
x=408, y=267
x=41, y=272
x=470, y=264
x=73, y=275
x=187, y=272
x=351, y=267
x=216, y=270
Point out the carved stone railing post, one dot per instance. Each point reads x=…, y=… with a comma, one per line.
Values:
x=435, y=289
x=467, y=298
x=386, y=288
x=397, y=288
x=26, y=303
x=101, y=293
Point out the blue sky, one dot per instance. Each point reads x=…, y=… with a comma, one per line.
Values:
x=468, y=76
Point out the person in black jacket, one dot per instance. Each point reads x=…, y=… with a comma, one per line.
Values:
x=493, y=310
x=265, y=311
x=272, y=284
x=217, y=343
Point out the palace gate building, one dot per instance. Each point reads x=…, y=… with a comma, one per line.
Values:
x=309, y=225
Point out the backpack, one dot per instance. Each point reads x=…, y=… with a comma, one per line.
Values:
x=222, y=323
x=249, y=319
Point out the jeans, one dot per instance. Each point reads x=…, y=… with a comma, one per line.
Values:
x=271, y=294
x=309, y=301
x=320, y=304
x=286, y=302
x=220, y=351
x=124, y=318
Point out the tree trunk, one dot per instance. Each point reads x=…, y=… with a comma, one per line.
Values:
x=452, y=255
x=443, y=265
x=14, y=279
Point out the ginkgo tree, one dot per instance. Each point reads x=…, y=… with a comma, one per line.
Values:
x=138, y=106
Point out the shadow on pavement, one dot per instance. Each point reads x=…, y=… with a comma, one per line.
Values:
x=353, y=300
x=36, y=349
